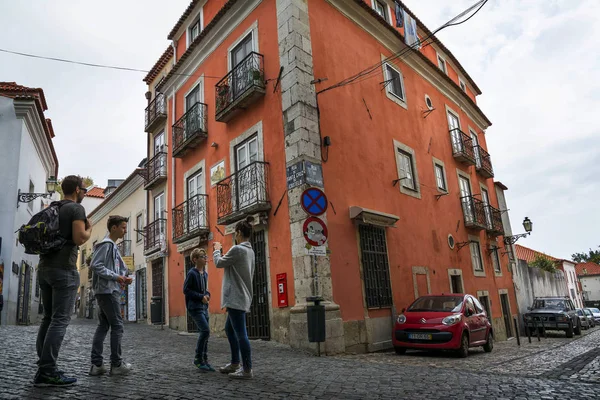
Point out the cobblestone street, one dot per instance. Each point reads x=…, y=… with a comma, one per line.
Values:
x=554, y=368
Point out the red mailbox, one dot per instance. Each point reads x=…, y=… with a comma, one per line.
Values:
x=282, y=299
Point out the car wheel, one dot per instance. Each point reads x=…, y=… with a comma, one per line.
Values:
x=570, y=331
x=400, y=350
x=463, y=350
x=489, y=345
x=577, y=329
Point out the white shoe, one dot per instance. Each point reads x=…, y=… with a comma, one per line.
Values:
x=123, y=369
x=96, y=371
x=241, y=374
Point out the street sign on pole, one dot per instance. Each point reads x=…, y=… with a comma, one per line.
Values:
x=314, y=201
x=315, y=231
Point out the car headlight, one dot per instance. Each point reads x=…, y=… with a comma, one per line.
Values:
x=561, y=318
x=528, y=318
x=401, y=319
x=452, y=319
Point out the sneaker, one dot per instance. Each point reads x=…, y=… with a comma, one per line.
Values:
x=241, y=374
x=206, y=368
x=58, y=380
x=197, y=362
x=229, y=368
x=123, y=369
x=97, y=370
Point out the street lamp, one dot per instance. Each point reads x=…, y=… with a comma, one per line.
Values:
x=528, y=225
x=28, y=197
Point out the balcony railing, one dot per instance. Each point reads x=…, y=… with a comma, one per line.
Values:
x=124, y=247
x=155, y=235
x=474, y=211
x=156, y=111
x=494, y=221
x=243, y=192
x=189, y=130
x=156, y=170
x=190, y=218
x=462, y=147
x=240, y=87
x=484, y=162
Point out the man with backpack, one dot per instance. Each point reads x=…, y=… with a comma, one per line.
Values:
x=108, y=280
x=57, y=275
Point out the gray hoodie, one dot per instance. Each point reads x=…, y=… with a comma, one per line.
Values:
x=237, y=280
x=107, y=265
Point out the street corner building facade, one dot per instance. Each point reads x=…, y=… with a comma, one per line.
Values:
x=256, y=101
x=28, y=165
x=127, y=198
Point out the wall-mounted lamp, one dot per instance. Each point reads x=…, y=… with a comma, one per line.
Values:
x=28, y=197
x=528, y=225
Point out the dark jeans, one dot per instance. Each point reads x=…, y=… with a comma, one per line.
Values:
x=58, y=288
x=109, y=317
x=235, y=328
x=200, y=317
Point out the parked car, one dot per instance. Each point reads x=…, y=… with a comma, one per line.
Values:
x=583, y=318
x=590, y=317
x=447, y=321
x=553, y=313
x=596, y=313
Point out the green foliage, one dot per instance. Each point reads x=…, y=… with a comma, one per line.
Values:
x=591, y=256
x=544, y=263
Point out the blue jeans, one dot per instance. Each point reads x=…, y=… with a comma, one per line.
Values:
x=235, y=328
x=200, y=317
x=109, y=317
x=58, y=288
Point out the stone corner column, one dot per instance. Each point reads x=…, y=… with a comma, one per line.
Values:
x=303, y=142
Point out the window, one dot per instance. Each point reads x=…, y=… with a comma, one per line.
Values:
x=440, y=177
x=159, y=143
x=475, y=142
x=381, y=8
x=406, y=170
x=376, y=270
x=246, y=153
x=195, y=29
x=139, y=222
x=393, y=82
x=159, y=206
x=192, y=98
x=485, y=301
x=456, y=284
x=496, y=259
x=442, y=63
x=462, y=85
x=476, y=256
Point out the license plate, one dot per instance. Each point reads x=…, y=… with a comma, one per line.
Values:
x=419, y=336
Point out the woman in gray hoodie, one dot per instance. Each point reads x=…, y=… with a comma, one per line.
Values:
x=236, y=297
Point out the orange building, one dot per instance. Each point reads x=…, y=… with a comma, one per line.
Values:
x=246, y=97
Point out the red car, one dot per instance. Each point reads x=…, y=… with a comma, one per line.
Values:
x=446, y=321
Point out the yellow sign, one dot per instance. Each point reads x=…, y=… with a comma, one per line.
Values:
x=129, y=262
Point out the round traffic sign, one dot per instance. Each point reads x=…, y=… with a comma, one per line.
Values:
x=315, y=231
x=314, y=201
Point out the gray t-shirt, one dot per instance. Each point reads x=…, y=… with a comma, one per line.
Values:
x=67, y=256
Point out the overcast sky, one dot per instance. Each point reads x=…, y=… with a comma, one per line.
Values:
x=536, y=63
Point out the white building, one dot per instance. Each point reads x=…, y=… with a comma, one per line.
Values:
x=27, y=161
x=589, y=276
x=93, y=198
x=575, y=294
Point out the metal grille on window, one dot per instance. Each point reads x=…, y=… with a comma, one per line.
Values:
x=376, y=270
x=257, y=320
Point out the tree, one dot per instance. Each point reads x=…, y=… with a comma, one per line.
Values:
x=544, y=263
x=87, y=182
x=591, y=256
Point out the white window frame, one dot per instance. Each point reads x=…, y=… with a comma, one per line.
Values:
x=252, y=30
x=401, y=101
x=472, y=241
x=200, y=19
x=154, y=207
x=439, y=163
x=416, y=192
x=139, y=237
x=387, y=11
x=496, y=264
x=462, y=84
x=441, y=62
x=199, y=167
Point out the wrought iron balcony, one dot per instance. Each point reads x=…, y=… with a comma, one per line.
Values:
x=244, y=192
x=494, y=221
x=474, y=211
x=156, y=170
x=484, y=162
x=189, y=130
x=462, y=147
x=124, y=247
x=155, y=235
x=156, y=112
x=190, y=218
x=240, y=87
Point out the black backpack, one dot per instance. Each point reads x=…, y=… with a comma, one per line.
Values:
x=42, y=234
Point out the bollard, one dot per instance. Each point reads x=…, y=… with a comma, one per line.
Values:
x=517, y=331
